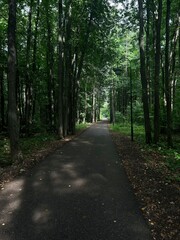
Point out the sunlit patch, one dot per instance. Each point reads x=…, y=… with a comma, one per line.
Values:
x=10, y=200
x=67, y=139
x=41, y=216
x=14, y=186
x=36, y=184
x=69, y=169
x=80, y=182
x=15, y=204
x=8, y=211
x=86, y=142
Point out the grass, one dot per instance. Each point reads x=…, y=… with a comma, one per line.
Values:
x=125, y=128
x=81, y=126
x=29, y=144
x=171, y=155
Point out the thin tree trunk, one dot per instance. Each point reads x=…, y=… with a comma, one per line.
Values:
x=157, y=72
x=93, y=105
x=143, y=75
x=167, y=77
x=173, y=59
x=60, y=74
x=28, y=105
x=85, y=105
x=2, y=121
x=13, y=124
x=148, y=50
x=163, y=95
x=34, y=64
x=50, y=64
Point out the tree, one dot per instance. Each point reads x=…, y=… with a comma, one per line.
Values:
x=60, y=73
x=157, y=72
x=143, y=74
x=13, y=125
x=167, y=76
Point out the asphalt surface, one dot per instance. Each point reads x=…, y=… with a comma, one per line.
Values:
x=80, y=192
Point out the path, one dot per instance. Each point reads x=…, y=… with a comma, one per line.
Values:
x=78, y=193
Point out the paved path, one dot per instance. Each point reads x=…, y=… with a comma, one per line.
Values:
x=78, y=193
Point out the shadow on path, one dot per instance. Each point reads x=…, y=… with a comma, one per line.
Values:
x=78, y=193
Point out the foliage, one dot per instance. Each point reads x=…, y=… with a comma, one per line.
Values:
x=81, y=126
x=125, y=128
x=97, y=37
x=28, y=146
x=171, y=156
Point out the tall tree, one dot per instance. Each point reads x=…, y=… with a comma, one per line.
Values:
x=28, y=106
x=60, y=71
x=2, y=120
x=143, y=74
x=50, y=67
x=34, y=57
x=13, y=124
x=157, y=72
x=167, y=76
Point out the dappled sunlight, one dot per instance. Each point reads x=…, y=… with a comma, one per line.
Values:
x=8, y=211
x=69, y=169
x=14, y=186
x=83, y=142
x=41, y=216
x=75, y=191
x=79, y=183
x=68, y=180
x=10, y=200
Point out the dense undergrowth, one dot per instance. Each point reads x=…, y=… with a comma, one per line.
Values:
x=170, y=156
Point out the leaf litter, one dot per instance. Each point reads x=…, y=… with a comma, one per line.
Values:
x=158, y=196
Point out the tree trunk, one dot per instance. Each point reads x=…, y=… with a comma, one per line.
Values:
x=60, y=74
x=143, y=75
x=94, y=105
x=28, y=105
x=2, y=121
x=79, y=65
x=173, y=53
x=13, y=124
x=167, y=77
x=34, y=64
x=50, y=63
x=148, y=50
x=157, y=72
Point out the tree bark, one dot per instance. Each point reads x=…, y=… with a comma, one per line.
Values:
x=93, y=105
x=167, y=77
x=2, y=120
x=143, y=75
x=173, y=58
x=60, y=74
x=34, y=64
x=157, y=72
x=148, y=50
x=28, y=106
x=13, y=124
x=50, y=64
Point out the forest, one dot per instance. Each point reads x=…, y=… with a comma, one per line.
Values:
x=65, y=63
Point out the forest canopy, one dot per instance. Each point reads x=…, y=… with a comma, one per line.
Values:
x=59, y=62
